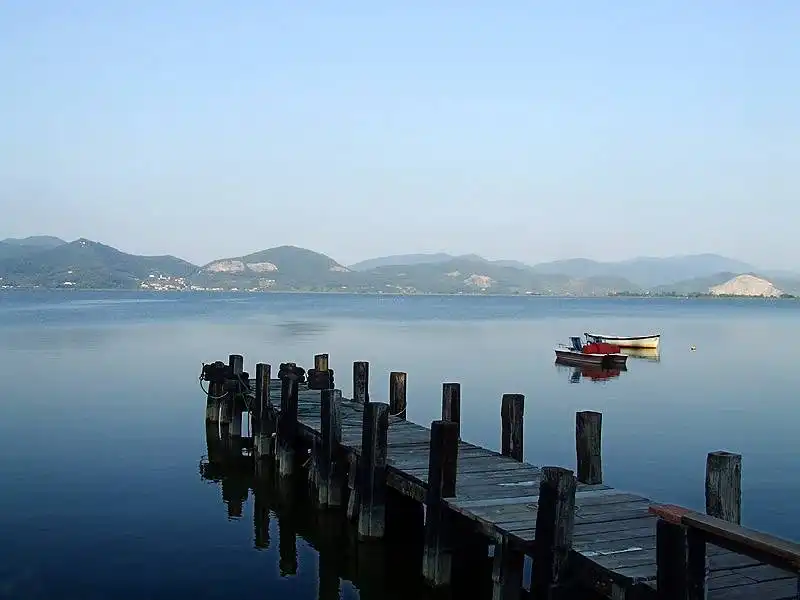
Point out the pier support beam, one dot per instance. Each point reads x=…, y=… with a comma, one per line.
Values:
x=287, y=423
x=511, y=414
x=670, y=559
x=353, y=500
x=588, y=427
x=216, y=395
x=263, y=419
x=507, y=572
x=372, y=472
x=361, y=381
x=442, y=470
x=724, y=486
x=226, y=414
x=330, y=460
x=555, y=522
x=397, y=394
x=451, y=404
x=237, y=410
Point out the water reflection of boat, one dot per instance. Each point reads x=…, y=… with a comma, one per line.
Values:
x=653, y=354
x=593, y=373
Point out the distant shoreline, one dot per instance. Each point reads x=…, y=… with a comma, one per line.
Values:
x=693, y=296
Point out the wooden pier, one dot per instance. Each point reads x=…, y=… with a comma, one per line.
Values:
x=583, y=536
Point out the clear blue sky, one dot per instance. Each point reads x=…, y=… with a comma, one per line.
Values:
x=517, y=129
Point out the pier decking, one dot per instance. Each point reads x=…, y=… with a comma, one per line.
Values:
x=597, y=538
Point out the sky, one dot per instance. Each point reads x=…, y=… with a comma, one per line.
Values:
x=517, y=129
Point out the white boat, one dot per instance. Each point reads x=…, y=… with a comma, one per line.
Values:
x=633, y=341
x=575, y=355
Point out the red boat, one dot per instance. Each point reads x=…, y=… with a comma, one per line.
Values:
x=597, y=354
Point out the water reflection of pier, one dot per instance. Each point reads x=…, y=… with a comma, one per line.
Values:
x=230, y=463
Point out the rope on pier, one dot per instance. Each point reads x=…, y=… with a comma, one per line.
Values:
x=220, y=397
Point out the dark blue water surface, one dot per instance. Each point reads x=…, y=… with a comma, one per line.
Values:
x=102, y=430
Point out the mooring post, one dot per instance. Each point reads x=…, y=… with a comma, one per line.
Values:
x=437, y=555
x=372, y=475
x=397, y=394
x=511, y=414
x=361, y=381
x=320, y=362
x=588, y=427
x=555, y=522
x=263, y=421
x=287, y=422
x=451, y=404
x=724, y=486
x=330, y=463
x=236, y=363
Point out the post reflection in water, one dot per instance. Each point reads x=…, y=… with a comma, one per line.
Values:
x=341, y=556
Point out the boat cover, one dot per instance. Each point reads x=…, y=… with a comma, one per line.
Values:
x=600, y=348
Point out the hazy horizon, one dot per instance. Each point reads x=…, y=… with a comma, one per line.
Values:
x=361, y=130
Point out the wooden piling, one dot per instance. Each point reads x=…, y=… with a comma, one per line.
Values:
x=361, y=381
x=442, y=471
x=226, y=413
x=397, y=394
x=353, y=500
x=236, y=362
x=264, y=422
x=555, y=521
x=670, y=560
x=330, y=460
x=724, y=486
x=511, y=413
x=320, y=362
x=588, y=427
x=237, y=410
x=287, y=424
x=372, y=473
x=451, y=404
x=262, y=400
x=216, y=394
x=507, y=572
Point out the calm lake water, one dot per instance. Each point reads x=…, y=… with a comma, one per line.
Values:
x=104, y=490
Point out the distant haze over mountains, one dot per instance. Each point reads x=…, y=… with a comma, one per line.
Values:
x=49, y=262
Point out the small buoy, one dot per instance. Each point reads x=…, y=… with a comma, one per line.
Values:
x=692, y=347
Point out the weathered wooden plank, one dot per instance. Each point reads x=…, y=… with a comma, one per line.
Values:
x=766, y=590
x=597, y=497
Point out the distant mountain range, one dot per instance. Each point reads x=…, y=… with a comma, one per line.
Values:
x=49, y=262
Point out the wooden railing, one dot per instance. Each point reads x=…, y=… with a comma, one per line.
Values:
x=681, y=538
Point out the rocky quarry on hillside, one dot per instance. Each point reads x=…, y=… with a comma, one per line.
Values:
x=746, y=285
